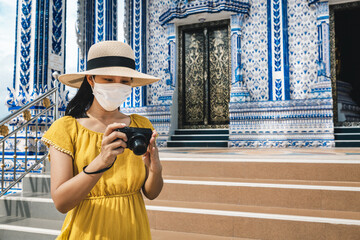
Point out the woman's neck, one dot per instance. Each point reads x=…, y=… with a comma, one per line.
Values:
x=96, y=111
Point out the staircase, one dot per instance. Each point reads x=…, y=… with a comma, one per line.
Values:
x=240, y=197
x=223, y=197
x=347, y=136
x=31, y=214
x=199, y=138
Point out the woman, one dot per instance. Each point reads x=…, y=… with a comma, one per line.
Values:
x=95, y=179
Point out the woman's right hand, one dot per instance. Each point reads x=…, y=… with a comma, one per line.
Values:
x=68, y=190
x=113, y=144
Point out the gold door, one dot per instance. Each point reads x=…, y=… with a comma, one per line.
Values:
x=204, y=76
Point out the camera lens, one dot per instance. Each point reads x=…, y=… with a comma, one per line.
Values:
x=139, y=146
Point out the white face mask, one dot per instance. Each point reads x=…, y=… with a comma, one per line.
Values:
x=111, y=95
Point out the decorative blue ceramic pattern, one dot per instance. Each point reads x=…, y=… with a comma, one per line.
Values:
x=57, y=26
x=239, y=91
x=278, y=62
x=171, y=41
x=25, y=45
x=183, y=9
x=58, y=49
x=100, y=21
x=159, y=55
x=313, y=1
x=255, y=51
x=303, y=49
x=115, y=19
x=45, y=20
x=160, y=118
x=322, y=86
x=138, y=41
x=294, y=123
x=304, y=121
x=49, y=29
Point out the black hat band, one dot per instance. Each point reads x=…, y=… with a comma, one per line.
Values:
x=110, y=61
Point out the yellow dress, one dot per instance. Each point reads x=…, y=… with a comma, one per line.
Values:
x=114, y=208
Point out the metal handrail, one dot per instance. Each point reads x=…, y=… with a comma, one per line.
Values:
x=27, y=106
x=37, y=162
x=25, y=126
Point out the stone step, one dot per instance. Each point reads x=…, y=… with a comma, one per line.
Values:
x=347, y=136
x=171, y=235
x=37, y=183
x=199, y=137
x=227, y=198
x=30, y=205
x=347, y=143
x=346, y=129
x=342, y=196
x=252, y=222
x=39, y=229
x=212, y=131
x=14, y=228
x=270, y=168
x=202, y=143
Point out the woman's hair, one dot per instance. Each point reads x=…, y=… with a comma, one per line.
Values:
x=81, y=102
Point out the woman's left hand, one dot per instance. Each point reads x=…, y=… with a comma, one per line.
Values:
x=151, y=157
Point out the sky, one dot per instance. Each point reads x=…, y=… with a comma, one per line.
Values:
x=7, y=47
x=7, y=44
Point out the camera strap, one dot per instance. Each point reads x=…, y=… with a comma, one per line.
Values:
x=99, y=171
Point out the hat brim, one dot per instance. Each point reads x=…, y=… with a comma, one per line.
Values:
x=139, y=79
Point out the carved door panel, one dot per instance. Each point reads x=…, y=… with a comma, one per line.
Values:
x=219, y=83
x=204, y=76
x=194, y=64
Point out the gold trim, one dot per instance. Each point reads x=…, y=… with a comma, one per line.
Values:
x=49, y=142
x=27, y=115
x=333, y=63
x=4, y=130
x=46, y=102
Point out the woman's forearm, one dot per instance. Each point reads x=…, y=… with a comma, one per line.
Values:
x=70, y=193
x=153, y=185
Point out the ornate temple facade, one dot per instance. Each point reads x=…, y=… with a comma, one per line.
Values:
x=259, y=68
x=263, y=69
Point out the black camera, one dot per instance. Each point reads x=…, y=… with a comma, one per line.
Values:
x=138, y=139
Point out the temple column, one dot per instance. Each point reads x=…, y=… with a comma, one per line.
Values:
x=39, y=51
x=137, y=40
x=278, y=51
x=106, y=20
x=322, y=86
x=171, y=59
x=239, y=92
x=97, y=21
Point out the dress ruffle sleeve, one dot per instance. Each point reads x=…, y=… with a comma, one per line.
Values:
x=61, y=135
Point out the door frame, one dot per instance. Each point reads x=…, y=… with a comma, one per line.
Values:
x=332, y=9
x=181, y=69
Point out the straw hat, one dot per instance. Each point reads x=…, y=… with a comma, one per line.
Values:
x=110, y=58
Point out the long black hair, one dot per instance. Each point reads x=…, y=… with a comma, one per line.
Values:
x=81, y=102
